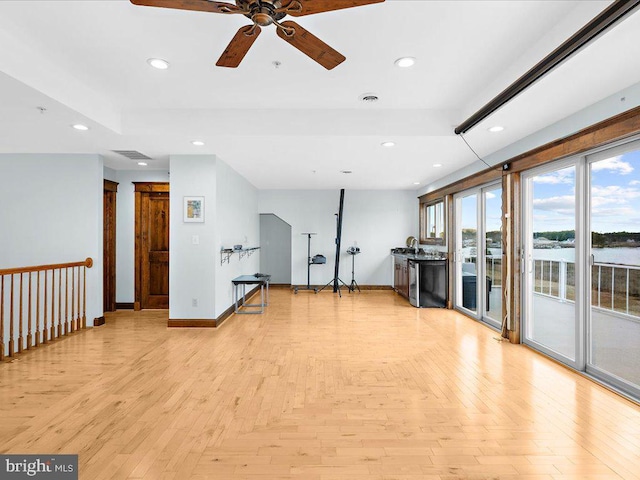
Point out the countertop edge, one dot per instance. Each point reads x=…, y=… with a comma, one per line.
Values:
x=419, y=258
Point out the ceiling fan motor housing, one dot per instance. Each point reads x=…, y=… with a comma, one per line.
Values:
x=263, y=12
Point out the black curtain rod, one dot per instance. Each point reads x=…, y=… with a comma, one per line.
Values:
x=605, y=20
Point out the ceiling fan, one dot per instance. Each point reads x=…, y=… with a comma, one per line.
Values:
x=266, y=12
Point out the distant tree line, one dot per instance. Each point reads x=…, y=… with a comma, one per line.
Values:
x=560, y=236
x=495, y=236
x=614, y=239
x=609, y=239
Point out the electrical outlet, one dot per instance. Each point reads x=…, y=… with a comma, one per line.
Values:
x=194, y=302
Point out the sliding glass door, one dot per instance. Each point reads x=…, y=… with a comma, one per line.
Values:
x=614, y=221
x=478, y=241
x=466, y=291
x=550, y=268
x=492, y=254
x=581, y=263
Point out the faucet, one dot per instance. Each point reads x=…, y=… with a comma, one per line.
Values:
x=415, y=245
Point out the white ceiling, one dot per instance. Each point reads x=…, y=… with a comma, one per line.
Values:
x=298, y=125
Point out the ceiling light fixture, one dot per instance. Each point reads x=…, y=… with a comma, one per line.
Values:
x=496, y=128
x=158, y=63
x=197, y=143
x=387, y=144
x=416, y=183
x=437, y=165
x=142, y=164
x=79, y=126
x=405, y=62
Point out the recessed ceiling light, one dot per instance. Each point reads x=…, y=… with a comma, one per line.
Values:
x=79, y=126
x=158, y=63
x=437, y=165
x=387, y=144
x=416, y=183
x=405, y=62
x=198, y=143
x=142, y=164
x=496, y=128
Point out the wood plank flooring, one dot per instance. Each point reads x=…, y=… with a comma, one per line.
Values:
x=317, y=388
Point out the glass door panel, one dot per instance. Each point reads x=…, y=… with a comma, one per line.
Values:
x=467, y=252
x=492, y=253
x=550, y=255
x=614, y=220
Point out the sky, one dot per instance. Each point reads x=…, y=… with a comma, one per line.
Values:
x=614, y=194
x=493, y=209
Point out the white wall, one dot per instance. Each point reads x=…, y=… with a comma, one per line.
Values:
x=238, y=222
x=191, y=265
x=51, y=212
x=230, y=218
x=377, y=220
x=125, y=227
x=110, y=174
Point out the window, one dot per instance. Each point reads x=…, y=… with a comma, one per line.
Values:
x=432, y=223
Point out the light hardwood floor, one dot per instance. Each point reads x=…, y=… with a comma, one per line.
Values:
x=318, y=387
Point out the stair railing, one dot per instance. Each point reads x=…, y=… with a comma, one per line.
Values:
x=41, y=303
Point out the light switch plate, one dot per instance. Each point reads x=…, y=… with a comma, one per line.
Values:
x=195, y=239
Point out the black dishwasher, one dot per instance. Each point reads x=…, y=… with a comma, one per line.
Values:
x=430, y=284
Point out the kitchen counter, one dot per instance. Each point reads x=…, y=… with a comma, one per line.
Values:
x=421, y=277
x=420, y=257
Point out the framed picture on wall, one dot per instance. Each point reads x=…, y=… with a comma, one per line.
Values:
x=194, y=209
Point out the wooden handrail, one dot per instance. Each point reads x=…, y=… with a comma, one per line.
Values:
x=25, y=293
x=13, y=271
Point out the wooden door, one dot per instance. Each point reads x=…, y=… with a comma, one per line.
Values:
x=109, y=246
x=152, y=245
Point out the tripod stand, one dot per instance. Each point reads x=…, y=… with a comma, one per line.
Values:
x=353, y=252
x=336, y=286
x=310, y=261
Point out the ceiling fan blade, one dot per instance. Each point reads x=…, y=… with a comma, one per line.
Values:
x=239, y=46
x=196, y=5
x=298, y=8
x=310, y=45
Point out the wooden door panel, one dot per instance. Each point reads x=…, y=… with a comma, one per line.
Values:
x=108, y=262
x=158, y=280
x=109, y=245
x=154, y=249
x=159, y=223
x=159, y=257
x=156, y=243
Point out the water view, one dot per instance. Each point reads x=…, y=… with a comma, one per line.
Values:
x=621, y=255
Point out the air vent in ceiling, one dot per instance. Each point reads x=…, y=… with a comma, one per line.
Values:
x=132, y=154
x=369, y=98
